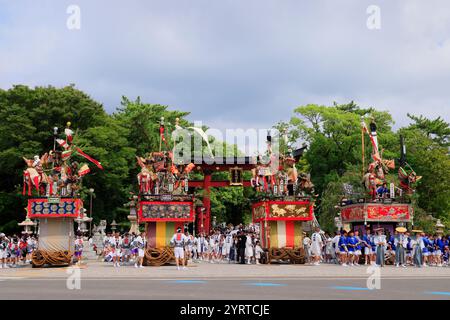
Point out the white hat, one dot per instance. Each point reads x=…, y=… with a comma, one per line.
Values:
x=2, y=235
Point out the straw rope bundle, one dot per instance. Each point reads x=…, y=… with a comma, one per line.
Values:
x=53, y=258
x=158, y=256
x=295, y=255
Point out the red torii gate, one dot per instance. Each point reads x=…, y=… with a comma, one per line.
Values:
x=208, y=166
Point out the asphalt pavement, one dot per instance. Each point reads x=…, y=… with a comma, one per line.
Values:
x=98, y=280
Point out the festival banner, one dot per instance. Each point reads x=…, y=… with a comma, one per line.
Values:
x=353, y=213
x=392, y=212
x=283, y=211
x=43, y=208
x=166, y=211
x=259, y=211
x=377, y=212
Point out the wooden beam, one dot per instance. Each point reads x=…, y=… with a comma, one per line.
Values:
x=216, y=184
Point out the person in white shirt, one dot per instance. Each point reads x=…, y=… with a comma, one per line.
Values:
x=329, y=250
x=31, y=246
x=401, y=242
x=258, y=252
x=78, y=249
x=316, y=246
x=249, y=249
x=335, y=242
x=228, y=244
x=194, y=247
x=188, y=246
x=139, y=242
x=116, y=245
x=178, y=241
x=205, y=247
x=307, y=246
x=201, y=246
x=380, y=243
x=3, y=250
x=212, y=248
x=126, y=247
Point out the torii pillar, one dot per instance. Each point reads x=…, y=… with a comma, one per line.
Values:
x=206, y=202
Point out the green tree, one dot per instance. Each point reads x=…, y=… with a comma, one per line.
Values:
x=334, y=137
x=429, y=157
x=26, y=129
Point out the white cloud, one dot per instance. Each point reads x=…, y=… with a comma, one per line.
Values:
x=235, y=63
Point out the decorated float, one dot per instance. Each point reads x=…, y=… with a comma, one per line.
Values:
x=52, y=183
x=284, y=206
x=386, y=204
x=164, y=203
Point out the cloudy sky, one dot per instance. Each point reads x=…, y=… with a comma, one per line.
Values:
x=235, y=63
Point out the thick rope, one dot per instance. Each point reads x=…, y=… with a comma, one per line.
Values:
x=40, y=258
x=158, y=256
x=296, y=255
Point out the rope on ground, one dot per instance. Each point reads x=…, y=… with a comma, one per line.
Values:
x=41, y=258
x=158, y=256
x=294, y=255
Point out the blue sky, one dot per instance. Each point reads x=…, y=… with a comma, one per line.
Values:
x=235, y=63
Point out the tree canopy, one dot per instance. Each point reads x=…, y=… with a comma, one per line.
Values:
x=334, y=156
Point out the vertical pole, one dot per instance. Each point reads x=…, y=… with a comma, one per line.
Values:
x=90, y=212
x=202, y=226
x=363, y=152
x=207, y=200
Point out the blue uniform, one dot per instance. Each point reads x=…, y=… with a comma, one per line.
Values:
x=358, y=243
x=366, y=239
x=351, y=242
x=425, y=243
x=343, y=244
x=392, y=242
x=430, y=246
x=441, y=244
x=372, y=243
x=408, y=245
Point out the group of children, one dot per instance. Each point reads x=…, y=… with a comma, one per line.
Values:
x=350, y=248
x=15, y=249
x=124, y=249
x=232, y=245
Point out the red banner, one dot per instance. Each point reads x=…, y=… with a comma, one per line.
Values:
x=393, y=212
x=353, y=213
x=377, y=212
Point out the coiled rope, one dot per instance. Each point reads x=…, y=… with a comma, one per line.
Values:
x=40, y=258
x=295, y=255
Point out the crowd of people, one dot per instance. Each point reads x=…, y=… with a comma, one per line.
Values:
x=123, y=249
x=226, y=244
x=241, y=244
x=16, y=250
x=403, y=248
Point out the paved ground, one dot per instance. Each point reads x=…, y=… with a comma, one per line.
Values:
x=99, y=280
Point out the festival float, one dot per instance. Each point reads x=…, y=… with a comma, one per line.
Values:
x=164, y=203
x=390, y=208
x=283, y=207
x=52, y=183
